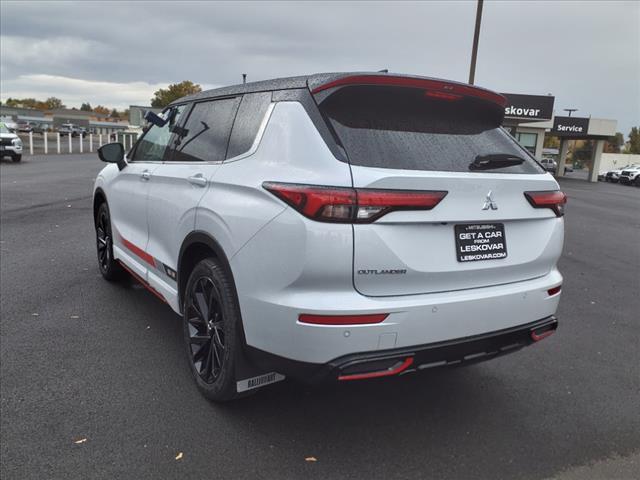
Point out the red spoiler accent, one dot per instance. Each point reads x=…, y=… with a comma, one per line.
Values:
x=427, y=84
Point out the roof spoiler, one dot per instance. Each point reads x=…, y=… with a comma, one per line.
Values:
x=443, y=89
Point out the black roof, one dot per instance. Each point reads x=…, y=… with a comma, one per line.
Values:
x=286, y=83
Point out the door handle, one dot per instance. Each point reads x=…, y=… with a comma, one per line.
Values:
x=146, y=175
x=198, y=180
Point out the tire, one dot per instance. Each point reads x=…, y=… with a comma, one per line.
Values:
x=211, y=329
x=636, y=182
x=109, y=267
x=17, y=158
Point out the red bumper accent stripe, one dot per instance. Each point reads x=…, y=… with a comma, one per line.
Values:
x=537, y=337
x=383, y=373
x=342, y=319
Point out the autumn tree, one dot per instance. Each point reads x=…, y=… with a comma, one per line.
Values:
x=102, y=110
x=49, y=104
x=551, y=142
x=53, y=103
x=164, y=96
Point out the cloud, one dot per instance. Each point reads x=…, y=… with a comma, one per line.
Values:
x=25, y=51
x=587, y=54
x=75, y=91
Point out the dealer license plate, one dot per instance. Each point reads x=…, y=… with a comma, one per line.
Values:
x=480, y=241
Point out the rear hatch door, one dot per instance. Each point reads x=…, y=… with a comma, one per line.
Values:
x=484, y=232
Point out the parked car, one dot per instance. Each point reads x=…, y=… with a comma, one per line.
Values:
x=40, y=128
x=549, y=164
x=335, y=227
x=630, y=176
x=71, y=129
x=613, y=176
x=568, y=167
x=24, y=127
x=10, y=144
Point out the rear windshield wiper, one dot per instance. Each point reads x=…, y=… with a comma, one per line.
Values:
x=495, y=160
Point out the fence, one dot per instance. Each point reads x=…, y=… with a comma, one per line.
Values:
x=54, y=143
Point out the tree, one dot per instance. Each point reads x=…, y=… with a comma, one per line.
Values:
x=634, y=140
x=53, y=103
x=614, y=143
x=49, y=104
x=114, y=114
x=164, y=96
x=86, y=107
x=102, y=110
x=551, y=142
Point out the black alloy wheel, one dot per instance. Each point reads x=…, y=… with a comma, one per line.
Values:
x=211, y=326
x=109, y=267
x=205, y=323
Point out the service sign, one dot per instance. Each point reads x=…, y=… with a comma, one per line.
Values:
x=532, y=107
x=570, y=127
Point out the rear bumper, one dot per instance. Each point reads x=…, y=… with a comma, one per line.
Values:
x=400, y=361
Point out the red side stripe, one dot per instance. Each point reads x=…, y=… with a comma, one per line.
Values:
x=142, y=282
x=138, y=251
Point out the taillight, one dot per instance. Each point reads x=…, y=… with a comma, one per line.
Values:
x=351, y=205
x=554, y=199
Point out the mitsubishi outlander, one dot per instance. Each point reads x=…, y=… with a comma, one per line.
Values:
x=335, y=227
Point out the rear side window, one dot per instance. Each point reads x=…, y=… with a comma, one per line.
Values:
x=245, y=128
x=205, y=135
x=402, y=128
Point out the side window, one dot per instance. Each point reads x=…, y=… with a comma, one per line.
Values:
x=205, y=135
x=250, y=114
x=153, y=144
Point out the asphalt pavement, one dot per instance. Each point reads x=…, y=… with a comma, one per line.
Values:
x=94, y=382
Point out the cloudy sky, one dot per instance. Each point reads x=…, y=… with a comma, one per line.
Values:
x=118, y=53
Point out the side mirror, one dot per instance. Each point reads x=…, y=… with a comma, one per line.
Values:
x=155, y=119
x=113, y=153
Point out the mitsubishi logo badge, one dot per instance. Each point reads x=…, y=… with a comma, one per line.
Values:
x=489, y=203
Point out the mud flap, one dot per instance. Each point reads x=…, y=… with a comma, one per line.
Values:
x=249, y=376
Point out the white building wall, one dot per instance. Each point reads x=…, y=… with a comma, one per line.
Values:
x=611, y=161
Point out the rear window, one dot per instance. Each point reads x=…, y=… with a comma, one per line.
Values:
x=402, y=128
x=205, y=135
x=247, y=122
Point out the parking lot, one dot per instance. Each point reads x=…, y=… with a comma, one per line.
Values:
x=95, y=384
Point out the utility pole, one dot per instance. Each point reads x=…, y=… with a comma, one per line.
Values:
x=476, y=38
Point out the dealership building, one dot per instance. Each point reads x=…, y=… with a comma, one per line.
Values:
x=530, y=117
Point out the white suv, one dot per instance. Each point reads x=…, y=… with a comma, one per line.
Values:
x=10, y=144
x=335, y=227
x=630, y=176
